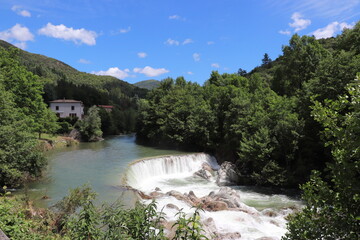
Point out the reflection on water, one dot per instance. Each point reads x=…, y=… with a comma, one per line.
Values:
x=99, y=164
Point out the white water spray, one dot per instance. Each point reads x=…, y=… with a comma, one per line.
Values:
x=177, y=173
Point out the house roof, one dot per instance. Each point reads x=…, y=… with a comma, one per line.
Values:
x=65, y=101
x=105, y=106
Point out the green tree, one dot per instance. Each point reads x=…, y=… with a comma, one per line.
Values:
x=298, y=64
x=19, y=157
x=332, y=208
x=90, y=126
x=266, y=60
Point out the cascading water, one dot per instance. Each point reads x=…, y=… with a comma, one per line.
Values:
x=168, y=173
x=143, y=173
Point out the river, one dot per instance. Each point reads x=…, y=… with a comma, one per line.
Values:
x=103, y=165
x=99, y=164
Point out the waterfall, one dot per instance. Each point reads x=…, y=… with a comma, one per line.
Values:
x=144, y=171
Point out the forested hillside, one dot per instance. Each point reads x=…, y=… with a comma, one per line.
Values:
x=148, y=84
x=261, y=120
x=63, y=81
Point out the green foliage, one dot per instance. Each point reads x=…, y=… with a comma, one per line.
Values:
x=141, y=222
x=16, y=223
x=76, y=217
x=84, y=226
x=333, y=208
x=240, y=119
x=189, y=228
x=90, y=126
x=148, y=84
x=22, y=113
x=298, y=64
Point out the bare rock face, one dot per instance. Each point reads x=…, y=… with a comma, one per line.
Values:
x=227, y=176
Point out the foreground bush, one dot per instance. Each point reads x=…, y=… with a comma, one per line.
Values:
x=76, y=217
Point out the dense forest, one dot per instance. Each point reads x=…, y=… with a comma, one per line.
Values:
x=262, y=120
x=294, y=120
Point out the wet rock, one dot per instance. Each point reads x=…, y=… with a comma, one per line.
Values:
x=142, y=195
x=156, y=194
x=178, y=196
x=203, y=174
x=269, y=213
x=229, y=236
x=210, y=228
x=227, y=176
x=207, y=167
x=172, y=206
x=194, y=200
x=215, y=206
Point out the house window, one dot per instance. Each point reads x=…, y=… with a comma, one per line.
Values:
x=72, y=115
x=56, y=107
x=72, y=108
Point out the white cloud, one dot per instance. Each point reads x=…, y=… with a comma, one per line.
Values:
x=299, y=23
x=151, y=72
x=330, y=30
x=215, y=65
x=187, y=41
x=196, y=57
x=174, y=17
x=142, y=54
x=21, y=45
x=285, y=32
x=171, y=42
x=210, y=43
x=125, y=30
x=115, y=72
x=78, y=36
x=19, y=34
x=84, y=61
x=190, y=73
x=20, y=11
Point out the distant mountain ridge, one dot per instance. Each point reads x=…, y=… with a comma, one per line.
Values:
x=148, y=84
x=64, y=81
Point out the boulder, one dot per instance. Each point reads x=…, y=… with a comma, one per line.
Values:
x=179, y=196
x=156, y=194
x=172, y=206
x=205, y=174
x=229, y=236
x=214, y=206
x=227, y=176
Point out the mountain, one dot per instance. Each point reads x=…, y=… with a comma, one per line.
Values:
x=148, y=84
x=64, y=81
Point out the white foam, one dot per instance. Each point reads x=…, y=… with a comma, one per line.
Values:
x=176, y=173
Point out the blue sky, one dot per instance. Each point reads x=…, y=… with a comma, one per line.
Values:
x=137, y=40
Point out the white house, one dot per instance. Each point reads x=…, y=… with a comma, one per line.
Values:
x=67, y=108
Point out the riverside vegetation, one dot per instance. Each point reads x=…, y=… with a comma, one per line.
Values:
x=294, y=120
